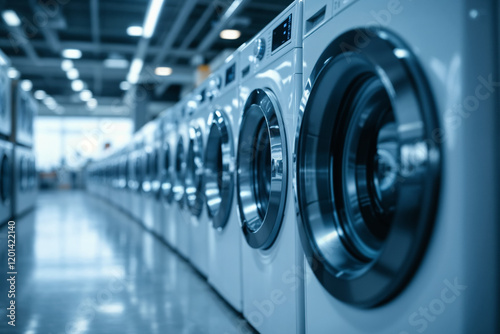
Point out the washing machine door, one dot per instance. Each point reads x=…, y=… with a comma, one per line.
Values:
x=367, y=167
x=262, y=169
x=167, y=183
x=219, y=169
x=5, y=179
x=180, y=172
x=194, y=172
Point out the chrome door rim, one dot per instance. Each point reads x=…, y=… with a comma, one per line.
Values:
x=194, y=171
x=180, y=172
x=344, y=273
x=219, y=169
x=167, y=182
x=264, y=159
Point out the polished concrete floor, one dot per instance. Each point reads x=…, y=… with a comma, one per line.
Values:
x=85, y=267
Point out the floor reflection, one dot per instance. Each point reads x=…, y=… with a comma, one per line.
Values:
x=85, y=267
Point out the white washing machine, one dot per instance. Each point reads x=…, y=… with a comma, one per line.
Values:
x=24, y=108
x=151, y=184
x=136, y=165
x=198, y=112
x=6, y=177
x=25, y=180
x=5, y=98
x=396, y=167
x=183, y=225
x=270, y=91
x=169, y=213
x=224, y=236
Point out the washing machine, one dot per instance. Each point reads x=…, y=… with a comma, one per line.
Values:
x=6, y=177
x=198, y=112
x=136, y=172
x=270, y=90
x=167, y=170
x=224, y=236
x=24, y=180
x=180, y=209
x=24, y=108
x=396, y=167
x=124, y=179
x=5, y=98
x=151, y=184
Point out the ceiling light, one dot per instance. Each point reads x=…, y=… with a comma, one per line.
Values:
x=73, y=74
x=40, y=95
x=13, y=73
x=135, y=71
x=134, y=31
x=77, y=85
x=67, y=65
x=26, y=85
x=152, y=16
x=116, y=63
x=124, y=85
x=11, y=19
x=86, y=95
x=163, y=71
x=50, y=102
x=72, y=53
x=92, y=104
x=230, y=34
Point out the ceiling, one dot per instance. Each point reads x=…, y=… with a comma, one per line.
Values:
x=186, y=28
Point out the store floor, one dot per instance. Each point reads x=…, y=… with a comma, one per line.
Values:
x=85, y=267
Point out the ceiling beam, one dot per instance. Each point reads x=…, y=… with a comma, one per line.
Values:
x=94, y=23
x=210, y=38
x=188, y=40
x=127, y=49
x=17, y=40
x=173, y=33
x=48, y=33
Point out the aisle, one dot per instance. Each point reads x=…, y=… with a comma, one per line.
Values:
x=84, y=267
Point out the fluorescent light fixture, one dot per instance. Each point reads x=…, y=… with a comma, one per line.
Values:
x=152, y=16
x=13, y=73
x=85, y=95
x=134, y=31
x=40, y=95
x=231, y=9
x=116, y=63
x=72, y=54
x=135, y=71
x=124, y=85
x=163, y=71
x=230, y=34
x=11, y=19
x=77, y=85
x=92, y=104
x=67, y=65
x=26, y=85
x=73, y=74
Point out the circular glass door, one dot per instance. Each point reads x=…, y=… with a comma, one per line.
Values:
x=138, y=171
x=167, y=180
x=367, y=171
x=180, y=172
x=194, y=171
x=219, y=170
x=5, y=178
x=262, y=169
